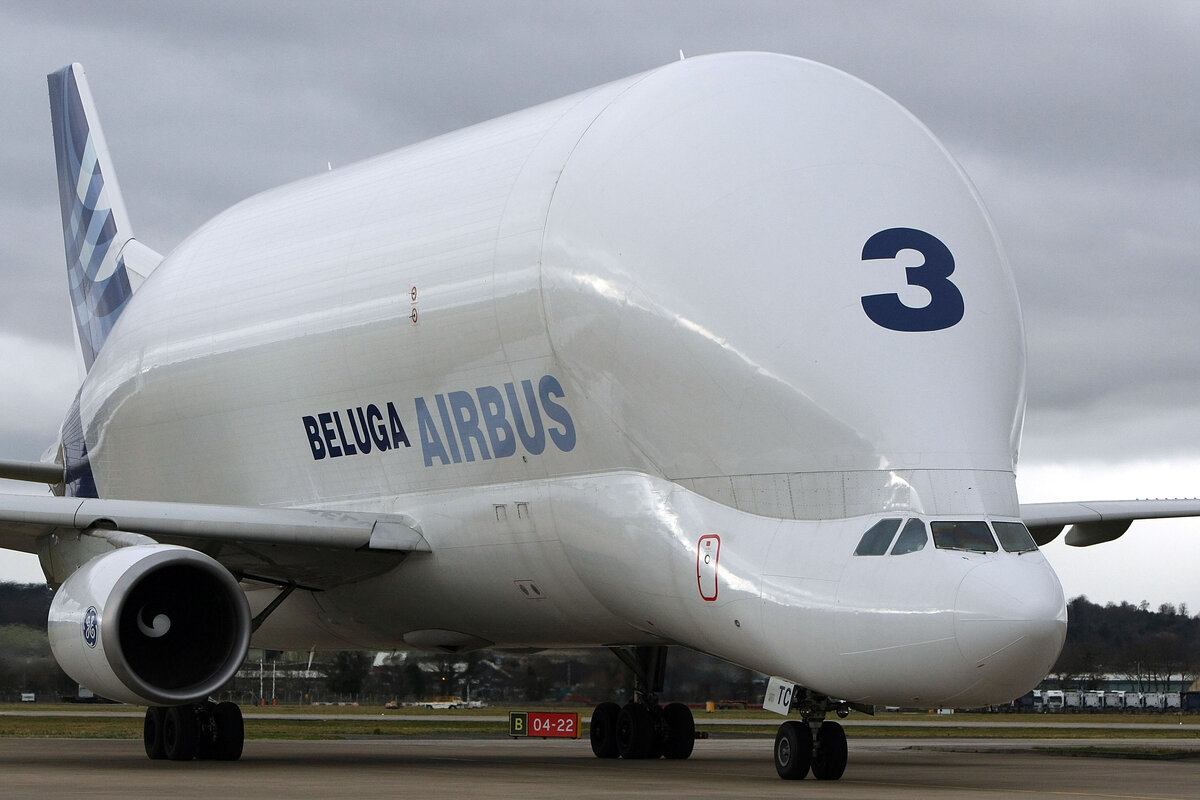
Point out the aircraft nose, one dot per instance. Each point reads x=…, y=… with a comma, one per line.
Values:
x=1010, y=621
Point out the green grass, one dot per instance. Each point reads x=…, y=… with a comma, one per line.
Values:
x=106, y=722
x=1139, y=753
x=1031, y=732
x=337, y=729
x=70, y=728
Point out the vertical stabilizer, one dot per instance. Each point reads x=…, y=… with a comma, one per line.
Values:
x=96, y=229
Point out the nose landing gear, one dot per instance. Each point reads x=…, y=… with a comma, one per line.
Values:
x=816, y=745
x=793, y=750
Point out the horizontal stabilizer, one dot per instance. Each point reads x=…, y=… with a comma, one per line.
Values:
x=33, y=471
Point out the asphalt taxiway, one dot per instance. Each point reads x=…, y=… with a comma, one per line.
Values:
x=504, y=768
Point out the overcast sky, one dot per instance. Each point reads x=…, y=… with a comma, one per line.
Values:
x=1078, y=122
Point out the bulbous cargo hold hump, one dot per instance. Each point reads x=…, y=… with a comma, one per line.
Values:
x=735, y=265
x=768, y=266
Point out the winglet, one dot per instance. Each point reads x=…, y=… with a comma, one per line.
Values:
x=96, y=230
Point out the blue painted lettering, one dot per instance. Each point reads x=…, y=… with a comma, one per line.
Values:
x=347, y=445
x=481, y=425
x=466, y=417
x=431, y=441
x=377, y=428
x=328, y=432
x=314, y=438
x=398, y=435
x=359, y=428
x=500, y=433
x=451, y=442
x=564, y=439
x=533, y=438
x=945, y=308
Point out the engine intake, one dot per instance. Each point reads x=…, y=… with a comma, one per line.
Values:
x=150, y=624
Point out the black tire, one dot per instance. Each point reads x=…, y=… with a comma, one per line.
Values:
x=231, y=732
x=681, y=731
x=152, y=733
x=635, y=731
x=830, y=752
x=604, y=730
x=206, y=730
x=658, y=733
x=180, y=733
x=793, y=750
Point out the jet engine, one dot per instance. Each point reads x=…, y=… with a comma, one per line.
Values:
x=150, y=624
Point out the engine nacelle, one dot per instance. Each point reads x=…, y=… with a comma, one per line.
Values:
x=150, y=624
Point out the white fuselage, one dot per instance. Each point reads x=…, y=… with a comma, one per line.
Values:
x=591, y=344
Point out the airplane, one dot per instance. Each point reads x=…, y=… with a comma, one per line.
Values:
x=725, y=355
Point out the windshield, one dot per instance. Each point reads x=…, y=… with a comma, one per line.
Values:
x=912, y=538
x=972, y=535
x=1014, y=537
x=877, y=538
x=968, y=535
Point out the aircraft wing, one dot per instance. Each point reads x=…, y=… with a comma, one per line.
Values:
x=311, y=548
x=1098, y=521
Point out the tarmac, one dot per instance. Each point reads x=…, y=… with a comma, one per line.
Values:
x=479, y=768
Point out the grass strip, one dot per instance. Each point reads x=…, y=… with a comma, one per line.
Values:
x=1139, y=753
x=103, y=727
x=131, y=728
x=954, y=732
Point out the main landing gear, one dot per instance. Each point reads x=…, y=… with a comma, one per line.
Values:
x=642, y=728
x=210, y=731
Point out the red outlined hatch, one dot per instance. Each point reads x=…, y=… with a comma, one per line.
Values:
x=707, y=552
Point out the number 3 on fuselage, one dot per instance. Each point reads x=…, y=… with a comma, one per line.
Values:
x=945, y=307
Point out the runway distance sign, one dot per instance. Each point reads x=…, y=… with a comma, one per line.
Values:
x=544, y=724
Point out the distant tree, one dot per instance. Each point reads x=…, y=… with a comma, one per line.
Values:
x=347, y=673
x=532, y=686
x=1130, y=640
x=417, y=685
x=27, y=665
x=25, y=604
x=539, y=677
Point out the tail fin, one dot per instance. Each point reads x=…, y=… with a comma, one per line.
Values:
x=104, y=262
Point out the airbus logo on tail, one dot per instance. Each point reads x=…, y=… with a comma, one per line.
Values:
x=489, y=422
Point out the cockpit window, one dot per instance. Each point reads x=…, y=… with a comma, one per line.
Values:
x=1014, y=537
x=877, y=538
x=912, y=538
x=968, y=535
